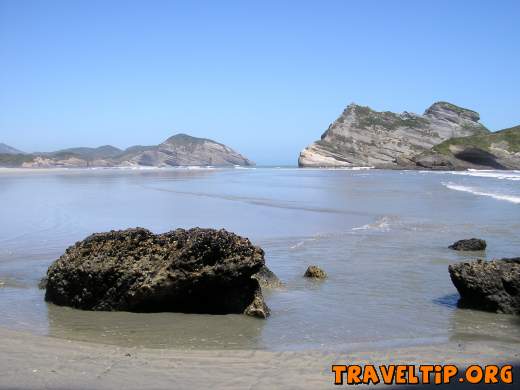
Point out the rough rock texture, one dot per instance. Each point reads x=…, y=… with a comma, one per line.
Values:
x=315, y=272
x=179, y=150
x=498, y=150
x=364, y=137
x=488, y=285
x=471, y=244
x=192, y=271
x=267, y=278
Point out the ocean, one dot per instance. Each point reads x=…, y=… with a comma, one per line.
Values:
x=382, y=237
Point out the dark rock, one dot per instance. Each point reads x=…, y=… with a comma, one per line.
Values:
x=471, y=244
x=257, y=308
x=267, y=278
x=479, y=157
x=191, y=271
x=432, y=160
x=315, y=272
x=488, y=285
x=42, y=285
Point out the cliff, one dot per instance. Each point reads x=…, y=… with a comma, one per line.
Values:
x=498, y=150
x=364, y=137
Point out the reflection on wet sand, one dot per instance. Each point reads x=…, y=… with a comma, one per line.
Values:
x=474, y=325
x=156, y=330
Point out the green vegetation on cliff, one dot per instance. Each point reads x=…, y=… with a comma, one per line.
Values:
x=368, y=118
x=508, y=139
x=14, y=160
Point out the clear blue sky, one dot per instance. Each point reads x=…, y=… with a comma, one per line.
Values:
x=265, y=77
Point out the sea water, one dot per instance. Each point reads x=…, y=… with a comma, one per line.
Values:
x=381, y=236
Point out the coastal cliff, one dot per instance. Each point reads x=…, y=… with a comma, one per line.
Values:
x=364, y=137
x=178, y=150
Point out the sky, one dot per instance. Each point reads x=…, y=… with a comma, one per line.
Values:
x=264, y=77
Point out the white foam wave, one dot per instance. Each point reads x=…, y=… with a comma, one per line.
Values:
x=382, y=225
x=302, y=242
x=501, y=175
x=475, y=191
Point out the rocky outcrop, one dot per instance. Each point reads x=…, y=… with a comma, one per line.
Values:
x=190, y=271
x=267, y=278
x=498, y=150
x=315, y=272
x=179, y=150
x=488, y=285
x=364, y=137
x=470, y=244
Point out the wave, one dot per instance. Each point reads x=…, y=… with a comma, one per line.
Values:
x=501, y=175
x=302, y=242
x=381, y=225
x=474, y=191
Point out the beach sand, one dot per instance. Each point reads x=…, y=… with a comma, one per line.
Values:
x=29, y=361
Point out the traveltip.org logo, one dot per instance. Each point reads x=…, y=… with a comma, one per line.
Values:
x=395, y=374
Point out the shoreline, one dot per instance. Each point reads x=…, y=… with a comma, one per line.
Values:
x=31, y=361
x=13, y=170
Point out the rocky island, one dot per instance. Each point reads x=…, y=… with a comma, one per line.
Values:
x=178, y=150
x=446, y=136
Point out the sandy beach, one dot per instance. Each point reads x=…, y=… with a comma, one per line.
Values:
x=38, y=362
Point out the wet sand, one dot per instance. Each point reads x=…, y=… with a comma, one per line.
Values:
x=29, y=361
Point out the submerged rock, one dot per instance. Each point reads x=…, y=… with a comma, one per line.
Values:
x=488, y=285
x=471, y=244
x=315, y=272
x=190, y=271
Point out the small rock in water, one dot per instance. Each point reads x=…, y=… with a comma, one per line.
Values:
x=471, y=244
x=257, y=308
x=315, y=272
x=267, y=278
x=191, y=271
x=488, y=285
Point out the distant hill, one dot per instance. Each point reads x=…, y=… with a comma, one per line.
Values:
x=101, y=152
x=6, y=149
x=178, y=150
x=185, y=150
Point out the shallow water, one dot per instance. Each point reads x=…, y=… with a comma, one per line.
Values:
x=382, y=237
